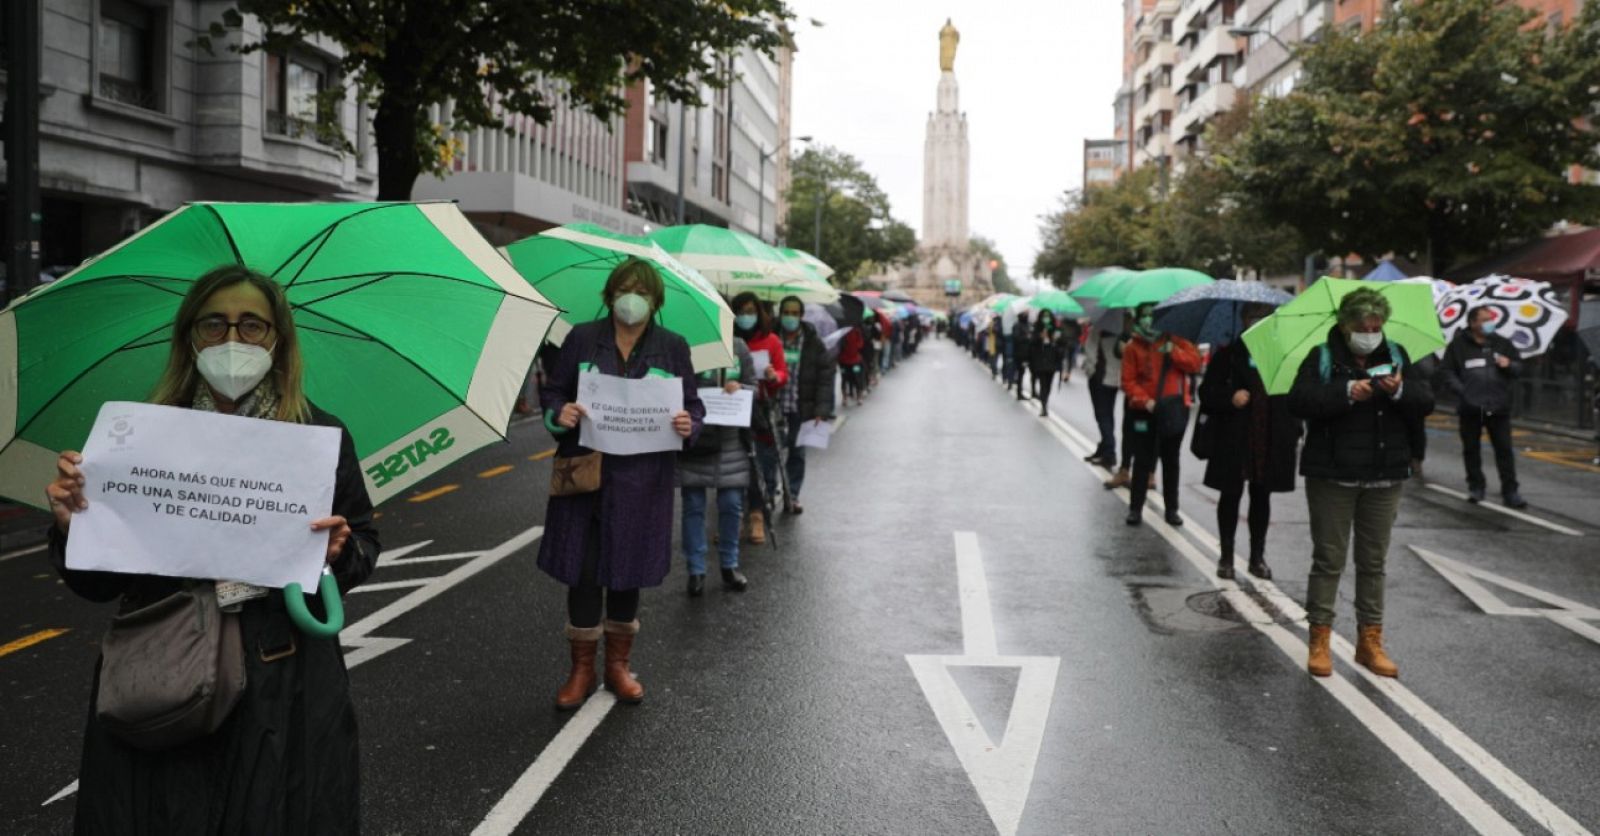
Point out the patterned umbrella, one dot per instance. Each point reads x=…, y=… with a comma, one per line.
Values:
x=1209, y=313
x=1528, y=313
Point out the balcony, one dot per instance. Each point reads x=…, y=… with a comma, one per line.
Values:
x=1215, y=44
x=1163, y=55
x=1159, y=100
x=1194, y=117
x=1267, y=55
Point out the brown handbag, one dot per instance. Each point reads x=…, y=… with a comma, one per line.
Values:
x=171, y=671
x=573, y=475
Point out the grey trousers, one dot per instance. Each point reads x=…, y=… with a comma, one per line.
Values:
x=1336, y=510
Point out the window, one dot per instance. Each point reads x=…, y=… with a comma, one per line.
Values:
x=125, y=54
x=658, y=140
x=293, y=87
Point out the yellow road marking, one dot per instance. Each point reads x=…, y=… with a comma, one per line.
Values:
x=541, y=456
x=495, y=471
x=433, y=494
x=29, y=641
x=1579, y=459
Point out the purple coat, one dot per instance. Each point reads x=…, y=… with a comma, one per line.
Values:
x=635, y=500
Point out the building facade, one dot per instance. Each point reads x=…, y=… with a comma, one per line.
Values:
x=729, y=158
x=1203, y=78
x=1103, y=161
x=1156, y=52
x=135, y=121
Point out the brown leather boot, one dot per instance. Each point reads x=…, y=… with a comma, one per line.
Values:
x=1321, y=661
x=758, y=529
x=1121, y=479
x=1369, y=651
x=619, y=644
x=581, y=681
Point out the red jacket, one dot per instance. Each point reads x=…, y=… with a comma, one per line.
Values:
x=1141, y=364
x=850, y=348
x=769, y=343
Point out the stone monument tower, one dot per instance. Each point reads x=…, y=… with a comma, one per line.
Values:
x=945, y=153
x=945, y=253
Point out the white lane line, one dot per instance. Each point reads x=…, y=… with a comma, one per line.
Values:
x=1509, y=783
x=65, y=791
x=391, y=555
x=519, y=801
x=977, y=619
x=1468, y=804
x=387, y=585
x=24, y=552
x=1510, y=512
x=368, y=647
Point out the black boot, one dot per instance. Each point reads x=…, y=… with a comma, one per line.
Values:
x=697, y=585
x=1258, y=561
x=1225, y=562
x=735, y=580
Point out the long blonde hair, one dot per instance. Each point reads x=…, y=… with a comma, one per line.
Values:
x=178, y=381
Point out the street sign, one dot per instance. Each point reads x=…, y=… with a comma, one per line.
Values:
x=952, y=287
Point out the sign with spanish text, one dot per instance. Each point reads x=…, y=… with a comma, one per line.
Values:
x=627, y=417
x=189, y=494
x=725, y=410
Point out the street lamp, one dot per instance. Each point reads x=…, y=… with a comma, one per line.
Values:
x=761, y=190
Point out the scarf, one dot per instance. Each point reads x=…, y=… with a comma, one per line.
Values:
x=262, y=402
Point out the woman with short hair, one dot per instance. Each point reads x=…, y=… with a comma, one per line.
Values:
x=286, y=759
x=1358, y=404
x=608, y=543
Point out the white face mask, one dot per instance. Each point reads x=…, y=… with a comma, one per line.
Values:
x=1363, y=344
x=233, y=369
x=631, y=308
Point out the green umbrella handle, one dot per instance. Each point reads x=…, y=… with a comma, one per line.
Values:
x=294, y=600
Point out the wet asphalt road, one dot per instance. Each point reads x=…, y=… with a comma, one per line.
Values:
x=793, y=708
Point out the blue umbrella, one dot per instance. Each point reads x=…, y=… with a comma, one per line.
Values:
x=1385, y=272
x=1209, y=313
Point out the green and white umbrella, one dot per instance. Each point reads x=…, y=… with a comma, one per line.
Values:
x=415, y=332
x=1149, y=286
x=736, y=262
x=569, y=266
x=807, y=260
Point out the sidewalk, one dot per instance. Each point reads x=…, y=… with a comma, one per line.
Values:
x=1556, y=448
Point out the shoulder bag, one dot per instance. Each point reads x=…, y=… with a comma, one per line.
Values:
x=172, y=671
x=1172, y=416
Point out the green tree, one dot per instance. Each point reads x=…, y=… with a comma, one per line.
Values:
x=858, y=232
x=1100, y=226
x=1212, y=223
x=489, y=57
x=1446, y=132
x=1000, y=272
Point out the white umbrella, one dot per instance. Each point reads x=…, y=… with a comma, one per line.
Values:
x=1527, y=312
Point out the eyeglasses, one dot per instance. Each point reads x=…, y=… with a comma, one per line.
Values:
x=215, y=328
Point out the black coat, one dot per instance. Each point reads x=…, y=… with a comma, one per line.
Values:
x=1348, y=441
x=817, y=371
x=1235, y=452
x=1046, y=352
x=286, y=760
x=1470, y=370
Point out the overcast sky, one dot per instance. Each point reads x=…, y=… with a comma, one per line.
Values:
x=1037, y=77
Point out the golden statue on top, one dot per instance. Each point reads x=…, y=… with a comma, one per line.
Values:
x=949, y=38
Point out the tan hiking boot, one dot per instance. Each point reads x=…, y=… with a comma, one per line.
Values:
x=1320, y=662
x=1369, y=651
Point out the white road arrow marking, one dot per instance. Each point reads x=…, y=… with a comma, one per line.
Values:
x=1470, y=581
x=1001, y=771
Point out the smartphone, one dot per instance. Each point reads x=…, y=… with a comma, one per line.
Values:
x=1381, y=371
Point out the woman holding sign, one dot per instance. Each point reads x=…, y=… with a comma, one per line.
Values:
x=608, y=530
x=284, y=759
x=753, y=324
x=718, y=462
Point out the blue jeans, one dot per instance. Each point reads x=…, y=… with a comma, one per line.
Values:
x=796, y=464
x=730, y=513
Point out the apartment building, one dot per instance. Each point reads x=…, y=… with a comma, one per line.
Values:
x=1104, y=160
x=1156, y=52
x=134, y=121
x=1208, y=56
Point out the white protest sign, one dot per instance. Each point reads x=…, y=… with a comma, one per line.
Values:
x=191, y=494
x=760, y=360
x=627, y=416
x=814, y=434
x=725, y=410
